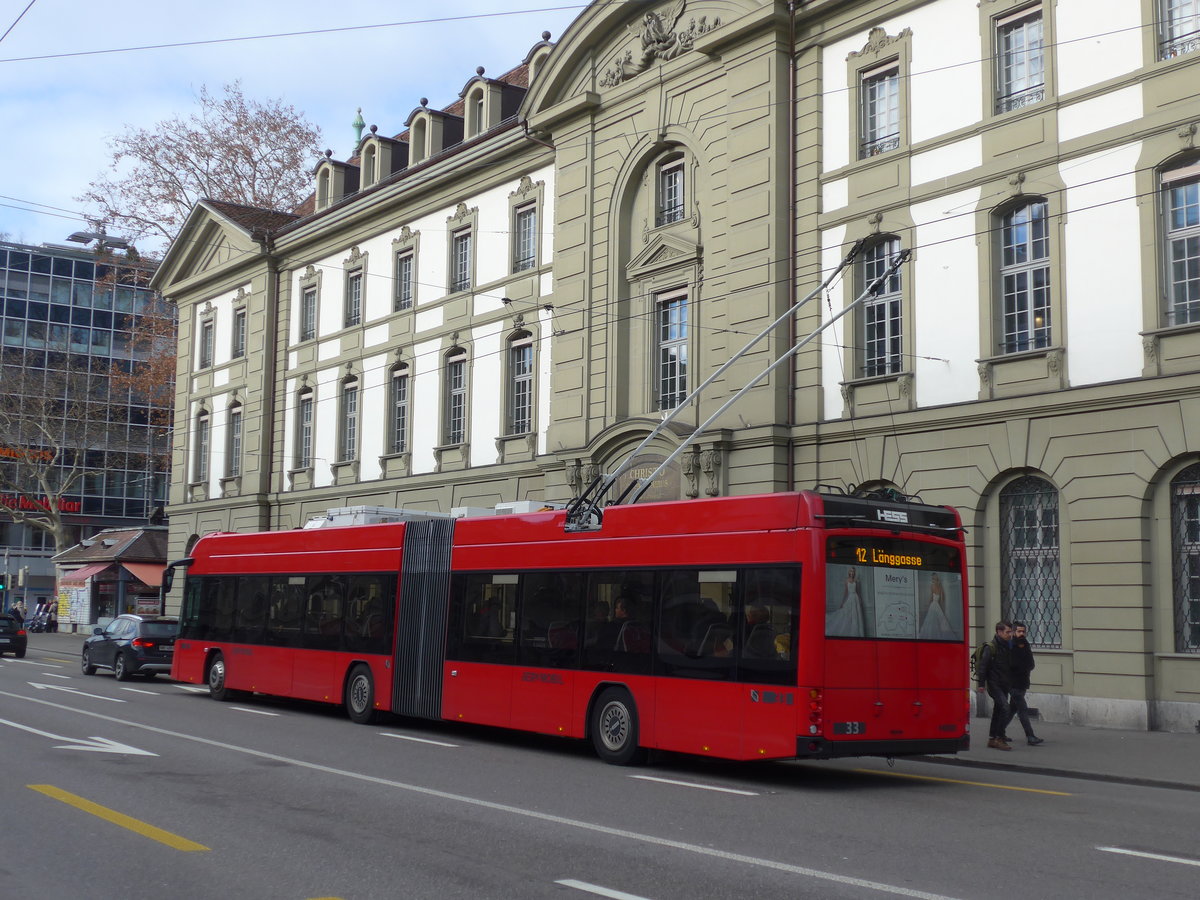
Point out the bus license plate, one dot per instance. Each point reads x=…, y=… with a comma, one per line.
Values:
x=849, y=727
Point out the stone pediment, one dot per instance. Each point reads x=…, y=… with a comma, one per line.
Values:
x=658, y=35
x=208, y=243
x=663, y=252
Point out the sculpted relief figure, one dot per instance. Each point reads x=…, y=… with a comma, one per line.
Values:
x=658, y=39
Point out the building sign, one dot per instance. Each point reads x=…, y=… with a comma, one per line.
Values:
x=73, y=605
x=28, y=504
x=21, y=453
x=665, y=487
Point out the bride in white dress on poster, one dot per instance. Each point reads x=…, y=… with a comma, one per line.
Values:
x=847, y=619
x=934, y=624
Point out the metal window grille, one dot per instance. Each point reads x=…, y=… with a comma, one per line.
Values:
x=670, y=193
x=1020, y=57
x=1180, y=24
x=882, y=313
x=235, y=443
x=404, y=281
x=1029, y=556
x=456, y=399
x=399, y=423
x=207, y=332
x=1185, y=553
x=525, y=245
x=672, y=350
x=308, y=314
x=354, y=299
x=460, y=279
x=520, y=386
x=880, y=112
x=202, y=438
x=1182, y=209
x=239, y=334
x=348, y=449
x=305, y=437
x=1025, y=278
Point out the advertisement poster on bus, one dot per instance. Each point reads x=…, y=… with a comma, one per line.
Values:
x=893, y=602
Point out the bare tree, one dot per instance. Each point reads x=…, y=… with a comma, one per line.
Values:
x=56, y=425
x=257, y=153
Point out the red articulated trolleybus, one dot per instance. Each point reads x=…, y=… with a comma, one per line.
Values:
x=779, y=626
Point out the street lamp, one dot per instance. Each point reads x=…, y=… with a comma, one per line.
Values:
x=102, y=240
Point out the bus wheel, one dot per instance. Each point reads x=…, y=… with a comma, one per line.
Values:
x=615, y=728
x=216, y=678
x=360, y=695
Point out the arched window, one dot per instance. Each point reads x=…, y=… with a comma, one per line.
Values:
x=418, y=147
x=881, y=332
x=1185, y=558
x=475, y=113
x=1030, y=578
x=323, y=189
x=369, y=165
x=1181, y=241
x=1024, y=278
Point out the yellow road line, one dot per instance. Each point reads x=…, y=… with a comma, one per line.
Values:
x=109, y=815
x=999, y=787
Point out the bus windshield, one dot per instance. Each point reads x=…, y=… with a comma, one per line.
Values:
x=893, y=589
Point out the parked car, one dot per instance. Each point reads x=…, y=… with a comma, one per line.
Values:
x=131, y=645
x=12, y=636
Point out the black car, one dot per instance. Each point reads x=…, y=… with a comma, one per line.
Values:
x=131, y=645
x=12, y=636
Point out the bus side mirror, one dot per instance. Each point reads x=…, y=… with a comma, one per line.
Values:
x=168, y=579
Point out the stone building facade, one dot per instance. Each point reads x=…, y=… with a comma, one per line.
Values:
x=503, y=300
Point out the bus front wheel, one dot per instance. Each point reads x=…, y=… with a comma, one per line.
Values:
x=360, y=695
x=615, y=728
x=216, y=678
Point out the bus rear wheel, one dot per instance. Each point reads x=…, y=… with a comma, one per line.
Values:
x=216, y=678
x=614, y=728
x=360, y=695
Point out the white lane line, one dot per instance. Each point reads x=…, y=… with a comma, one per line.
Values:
x=406, y=737
x=55, y=675
x=1161, y=857
x=257, y=712
x=140, y=691
x=30, y=662
x=596, y=889
x=507, y=809
x=192, y=690
x=701, y=787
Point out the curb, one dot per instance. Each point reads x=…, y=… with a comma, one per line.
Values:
x=1059, y=773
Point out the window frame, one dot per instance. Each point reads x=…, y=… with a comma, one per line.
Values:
x=667, y=372
x=404, y=293
x=203, y=452
x=353, y=310
x=871, y=141
x=234, y=441
x=525, y=237
x=462, y=269
x=1187, y=177
x=1030, y=336
x=454, y=402
x=1011, y=93
x=208, y=338
x=1171, y=43
x=240, y=330
x=670, y=179
x=305, y=431
x=1024, y=548
x=891, y=294
x=349, y=411
x=520, y=384
x=1185, y=559
x=399, y=399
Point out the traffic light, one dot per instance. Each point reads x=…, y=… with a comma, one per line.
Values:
x=3, y=581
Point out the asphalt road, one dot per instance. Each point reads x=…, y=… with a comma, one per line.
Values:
x=272, y=799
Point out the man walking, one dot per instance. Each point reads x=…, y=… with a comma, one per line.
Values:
x=1021, y=665
x=993, y=673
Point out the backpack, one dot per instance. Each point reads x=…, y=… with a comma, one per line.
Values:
x=977, y=657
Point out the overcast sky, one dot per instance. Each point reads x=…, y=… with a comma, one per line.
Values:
x=56, y=113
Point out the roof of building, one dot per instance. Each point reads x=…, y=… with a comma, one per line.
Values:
x=148, y=543
x=252, y=218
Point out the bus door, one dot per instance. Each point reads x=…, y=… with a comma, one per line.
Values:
x=481, y=648
x=549, y=642
x=941, y=652
x=318, y=676
x=699, y=705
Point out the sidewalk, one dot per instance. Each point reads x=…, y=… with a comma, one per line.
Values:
x=1151, y=758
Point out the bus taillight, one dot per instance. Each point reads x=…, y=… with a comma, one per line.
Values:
x=814, y=711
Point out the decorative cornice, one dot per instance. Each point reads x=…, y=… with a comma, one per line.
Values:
x=656, y=38
x=879, y=42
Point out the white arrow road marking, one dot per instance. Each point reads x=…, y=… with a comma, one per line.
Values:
x=96, y=744
x=55, y=687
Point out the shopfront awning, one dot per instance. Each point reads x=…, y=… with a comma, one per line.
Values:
x=149, y=574
x=79, y=576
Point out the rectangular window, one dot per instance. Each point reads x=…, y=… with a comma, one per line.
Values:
x=525, y=239
x=404, y=282
x=239, y=334
x=1025, y=279
x=348, y=442
x=202, y=448
x=1180, y=24
x=520, y=386
x=1020, y=61
x=207, y=333
x=670, y=192
x=235, y=443
x=672, y=349
x=398, y=442
x=456, y=399
x=880, y=97
x=882, y=312
x=1182, y=208
x=354, y=283
x=304, y=432
x=460, y=262
x=308, y=314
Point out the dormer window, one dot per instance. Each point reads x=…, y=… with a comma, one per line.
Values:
x=475, y=109
x=323, y=189
x=369, y=165
x=418, y=141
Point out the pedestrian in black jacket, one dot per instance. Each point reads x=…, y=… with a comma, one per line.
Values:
x=993, y=674
x=1020, y=666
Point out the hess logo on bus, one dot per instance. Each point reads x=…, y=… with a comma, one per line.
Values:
x=892, y=515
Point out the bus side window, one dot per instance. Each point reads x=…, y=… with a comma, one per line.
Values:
x=251, y=609
x=770, y=606
x=286, y=611
x=369, y=606
x=224, y=609
x=482, y=610
x=323, y=612
x=551, y=616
